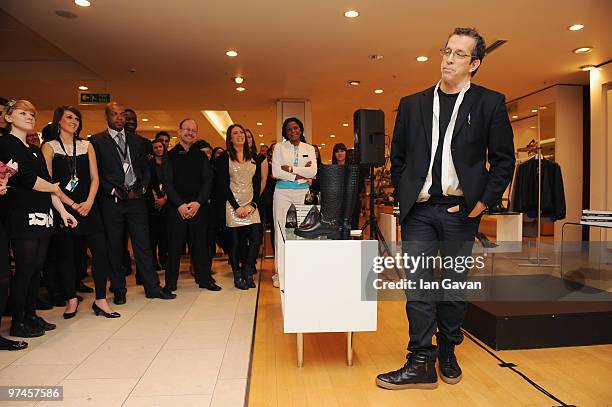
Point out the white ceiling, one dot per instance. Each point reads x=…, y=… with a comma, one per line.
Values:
x=287, y=49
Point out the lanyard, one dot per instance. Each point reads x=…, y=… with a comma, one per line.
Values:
x=71, y=161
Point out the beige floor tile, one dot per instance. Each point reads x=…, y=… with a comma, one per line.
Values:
x=211, y=311
x=6, y=358
x=148, y=326
x=247, y=303
x=179, y=372
x=236, y=359
x=169, y=401
x=119, y=358
x=34, y=375
x=64, y=348
x=242, y=327
x=211, y=334
x=229, y=393
x=94, y=392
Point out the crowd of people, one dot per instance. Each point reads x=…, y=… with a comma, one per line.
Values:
x=73, y=200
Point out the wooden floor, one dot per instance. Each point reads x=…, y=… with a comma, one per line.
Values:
x=580, y=376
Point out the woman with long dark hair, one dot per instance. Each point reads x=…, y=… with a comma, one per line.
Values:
x=239, y=172
x=294, y=162
x=72, y=163
x=29, y=217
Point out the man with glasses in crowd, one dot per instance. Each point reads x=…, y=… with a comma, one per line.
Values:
x=442, y=140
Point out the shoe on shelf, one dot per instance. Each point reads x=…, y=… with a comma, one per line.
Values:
x=97, y=310
x=119, y=298
x=419, y=372
x=275, y=280
x=23, y=330
x=35, y=320
x=9, y=344
x=291, y=221
x=450, y=372
x=82, y=288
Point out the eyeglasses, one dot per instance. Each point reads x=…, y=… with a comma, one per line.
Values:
x=447, y=52
x=192, y=131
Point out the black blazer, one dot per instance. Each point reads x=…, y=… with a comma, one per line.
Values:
x=110, y=165
x=222, y=167
x=486, y=136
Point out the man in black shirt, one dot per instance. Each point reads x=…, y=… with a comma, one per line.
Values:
x=187, y=178
x=442, y=140
x=124, y=177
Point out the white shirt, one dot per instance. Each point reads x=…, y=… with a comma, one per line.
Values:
x=448, y=176
x=284, y=154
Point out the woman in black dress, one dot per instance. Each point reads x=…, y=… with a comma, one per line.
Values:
x=29, y=217
x=72, y=163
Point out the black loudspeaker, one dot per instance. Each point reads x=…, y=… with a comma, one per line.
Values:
x=369, y=126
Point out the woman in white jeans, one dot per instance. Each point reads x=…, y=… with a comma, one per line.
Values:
x=294, y=162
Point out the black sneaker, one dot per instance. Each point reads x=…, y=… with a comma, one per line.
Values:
x=23, y=330
x=419, y=372
x=450, y=372
x=35, y=320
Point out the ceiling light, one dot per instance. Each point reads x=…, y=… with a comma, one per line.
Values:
x=587, y=67
x=515, y=117
x=49, y=123
x=332, y=136
x=156, y=127
x=219, y=119
x=345, y=124
x=82, y=3
x=378, y=91
x=260, y=135
x=422, y=58
x=83, y=87
x=174, y=137
x=238, y=79
x=231, y=53
x=240, y=89
x=261, y=144
x=543, y=108
x=259, y=123
x=583, y=50
x=354, y=83
x=322, y=144
x=575, y=27
x=144, y=119
x=351, y=14
x=532, y=127
x=534, y=110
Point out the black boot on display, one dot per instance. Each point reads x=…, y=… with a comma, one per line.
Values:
x=419, y=372
x=312, y=217
x=291, y=221
x=350, y=199
x=332, y=179
x=450, y=372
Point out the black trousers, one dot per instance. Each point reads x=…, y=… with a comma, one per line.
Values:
x=29, y=260
x=429, y=230
x=245, y=247
x=50, y=274
x=68, y=254
x=159, y=237
x=5, y=273
x=134, y=215
x=178, y=231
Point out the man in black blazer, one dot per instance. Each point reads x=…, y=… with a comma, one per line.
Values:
x=442, y=140
x=124, y=177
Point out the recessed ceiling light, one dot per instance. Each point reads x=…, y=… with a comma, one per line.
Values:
x=240, y=89
x=575, y=27
x=543, y=108
x=345, y=124
x=173, y=136
x=156, y=127
x=378, y=91
x=231, y=53
x=422, y=58
x=351, y=14
x=83, y=87
x=323, y=144
x=332, y=136
x=82, y=3
x=259, y=123
x=532, y=127
x=515, y=117
x=587, y=67
x=534, y=110
x=261, y=144
x=238, y=79
x=354, y=83
x=260, y=135
x=583, y=50
x=144, y=119
x=49, y=123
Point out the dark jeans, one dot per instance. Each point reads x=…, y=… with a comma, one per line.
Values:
x=245, y=247
x=134, y=215
x=429, y=230
x=178, y=229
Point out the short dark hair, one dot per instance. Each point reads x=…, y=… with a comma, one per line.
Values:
x=130, y=110
x=57, y=116
x=479, y=49
x=229, y=146
x=298, y=122
x=162, y=133
x=200, y=144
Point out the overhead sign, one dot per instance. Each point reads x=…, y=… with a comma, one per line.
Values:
x=88, y=98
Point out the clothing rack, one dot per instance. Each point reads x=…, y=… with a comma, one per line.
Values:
x=537, y=149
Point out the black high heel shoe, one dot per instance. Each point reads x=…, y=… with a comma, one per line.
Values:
x=68, y=315
x=97, y=310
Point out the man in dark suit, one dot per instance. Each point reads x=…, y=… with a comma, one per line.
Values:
x=442, y=140
x=124, y=176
